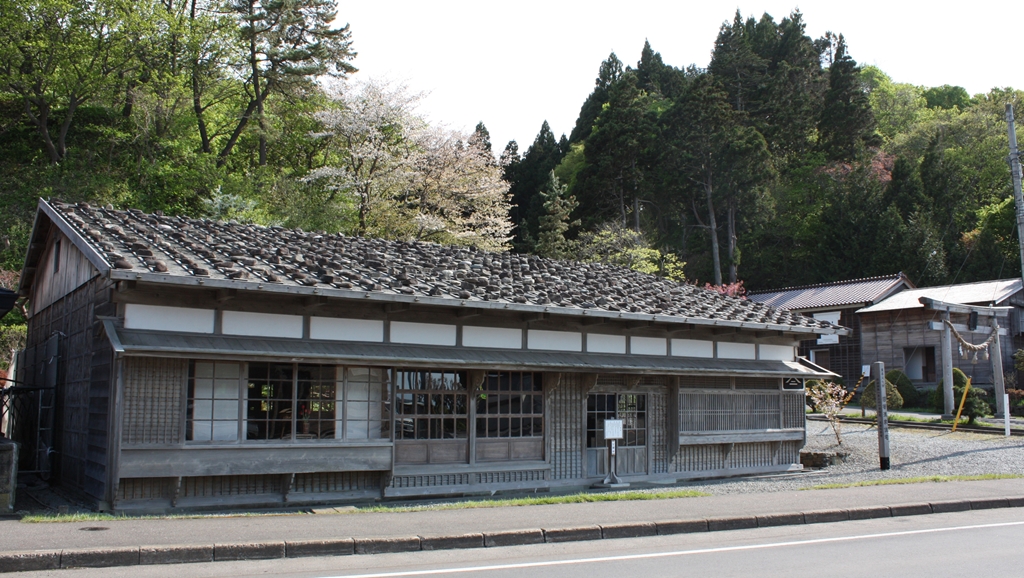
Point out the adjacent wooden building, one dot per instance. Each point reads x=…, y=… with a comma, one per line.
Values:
x=837, y=302
x=199, y=363
x=897, y=331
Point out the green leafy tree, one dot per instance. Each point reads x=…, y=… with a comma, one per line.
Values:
x=613, y=244
x=58, y=55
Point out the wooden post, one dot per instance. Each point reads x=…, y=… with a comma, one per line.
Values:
x=995, y=354
x=881, y=414
x=947, y=369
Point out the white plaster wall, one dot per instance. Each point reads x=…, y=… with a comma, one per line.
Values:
x=693, y=348
x=729, y=350
x=777, y=352
x=160, y=318
x=554, y=340
x=601, y=343
x=497, y=337
x=335, y=329
x=422, y=333
x=261, y=324
x=648, y=346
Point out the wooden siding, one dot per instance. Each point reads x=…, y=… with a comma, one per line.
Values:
x=74, y=270
x=886, y=335
x=845, y=356
x=84, y=385
x=253, y=459
x=153, y=397
x=565, y=399
x=746, y=456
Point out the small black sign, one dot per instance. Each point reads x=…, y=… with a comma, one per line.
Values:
x=793, y=383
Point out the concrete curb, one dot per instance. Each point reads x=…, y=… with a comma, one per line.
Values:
x=181, y=554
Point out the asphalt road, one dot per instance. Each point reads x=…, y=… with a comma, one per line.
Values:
x=982, y=543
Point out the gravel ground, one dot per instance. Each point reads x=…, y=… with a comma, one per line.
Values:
x=914, y=453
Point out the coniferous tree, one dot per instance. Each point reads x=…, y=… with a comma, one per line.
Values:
x=846, y=123
x=609, y=72
x=529, y=177
x=555, y=222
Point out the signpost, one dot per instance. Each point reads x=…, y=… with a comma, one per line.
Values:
x=882, y=414
x=612, y=433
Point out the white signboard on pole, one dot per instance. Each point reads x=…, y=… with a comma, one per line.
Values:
x=613, y=429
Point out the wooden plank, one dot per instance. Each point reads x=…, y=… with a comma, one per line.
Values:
x=939, y=326
x=741, y=437
x=209, y=461
x=936, y=305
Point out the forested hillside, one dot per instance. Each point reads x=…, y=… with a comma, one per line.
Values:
x=783, y=162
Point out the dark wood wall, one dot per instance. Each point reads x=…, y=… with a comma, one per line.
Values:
x=82, y=406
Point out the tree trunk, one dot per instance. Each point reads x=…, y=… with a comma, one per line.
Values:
x=197, y=104
x=636, y=213
x=731, y=228
x=41, y=126
x=716, y=258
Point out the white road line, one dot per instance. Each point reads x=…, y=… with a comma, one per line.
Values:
x=669, y=554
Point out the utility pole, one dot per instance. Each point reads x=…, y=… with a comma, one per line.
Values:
x=1018, y=198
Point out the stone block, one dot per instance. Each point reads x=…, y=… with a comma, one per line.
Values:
x=826, y=516
x=457, y=542
x=911, y=509
x=305, y=548
x=681, y=527
x=733, y=523
x=950, y=506
x=387, y=545
x=577, y=534
x=989, y=503
x=870, y=512
x=99, y=557
x=248, y=551
x=628, y=530
x=779, y=520
x=29, y=561
x=175, y=554
x=513, y=538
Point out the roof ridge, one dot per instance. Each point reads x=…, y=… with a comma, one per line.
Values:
x=894, y=277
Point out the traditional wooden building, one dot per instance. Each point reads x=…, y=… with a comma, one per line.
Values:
x=207, y=363
x=836, y=302
x=897, y=331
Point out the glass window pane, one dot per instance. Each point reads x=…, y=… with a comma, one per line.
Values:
x=201, y=431
x=225, y=430
x=203, y=369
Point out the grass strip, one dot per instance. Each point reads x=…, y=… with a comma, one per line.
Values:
x=579, y=498
x=920, y=480
x=469, y=504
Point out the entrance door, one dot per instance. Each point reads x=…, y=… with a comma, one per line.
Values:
x=631, y=450
x=431, y=417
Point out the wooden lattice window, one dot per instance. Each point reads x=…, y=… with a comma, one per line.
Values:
x=365, y=395
x=631, y=408
x=510, y=404
x=430, y=405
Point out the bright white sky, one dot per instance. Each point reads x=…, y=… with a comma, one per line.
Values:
x=515, y=64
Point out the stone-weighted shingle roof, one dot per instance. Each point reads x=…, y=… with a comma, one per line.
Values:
x=134, y=241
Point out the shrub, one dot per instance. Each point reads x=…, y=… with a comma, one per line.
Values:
x=935, y=398
x=893, y=399
x=976, y=405
x=906, y=387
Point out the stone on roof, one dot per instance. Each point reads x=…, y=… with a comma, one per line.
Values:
x=183, y=247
